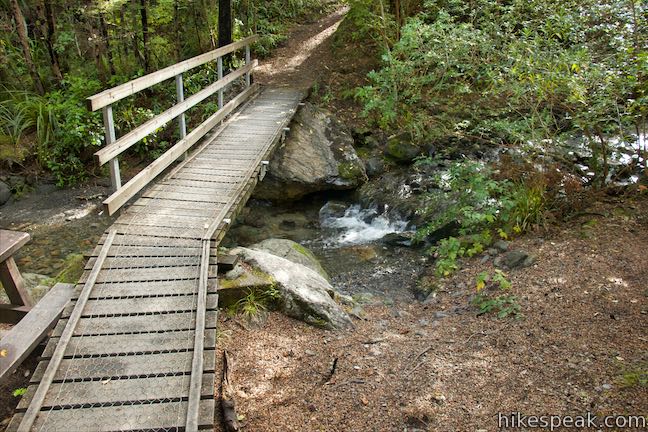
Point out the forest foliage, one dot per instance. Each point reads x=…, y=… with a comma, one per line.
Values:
x=527, y=73
x=54, y=54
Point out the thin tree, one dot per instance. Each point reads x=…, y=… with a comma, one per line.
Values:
x=225, y=27
x=21, y=27
x=145, y=35
x=46, y=18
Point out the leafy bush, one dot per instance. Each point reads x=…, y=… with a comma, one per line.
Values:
x=515, y=72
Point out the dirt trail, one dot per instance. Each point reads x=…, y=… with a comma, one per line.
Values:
x=305, y=55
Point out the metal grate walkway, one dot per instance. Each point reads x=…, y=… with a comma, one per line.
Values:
x=136, y=350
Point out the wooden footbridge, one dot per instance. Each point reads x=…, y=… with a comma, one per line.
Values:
x=136, y=349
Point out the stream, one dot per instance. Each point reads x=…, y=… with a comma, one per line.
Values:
x=66, y=224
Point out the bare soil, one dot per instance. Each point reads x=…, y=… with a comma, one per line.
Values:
x=442, y=367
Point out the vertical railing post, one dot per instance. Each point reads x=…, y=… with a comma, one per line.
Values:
x=247, y=62
x=220, y=76
x=109, y=125
x=181, y=118
x=180, y=97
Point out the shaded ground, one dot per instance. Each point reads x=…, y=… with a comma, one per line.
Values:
x=305, y=57
x=440, y=367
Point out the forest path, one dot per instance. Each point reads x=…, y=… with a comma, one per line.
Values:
x=303, y=58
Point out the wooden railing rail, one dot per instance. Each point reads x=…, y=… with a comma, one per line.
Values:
x=114, y=147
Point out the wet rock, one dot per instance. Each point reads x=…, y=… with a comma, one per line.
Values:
x=514, y=259
x=5, y=193
x=318, y=155
x=291, y=251
x=333, y=210
x=397, y=239
x=402, y=149
x=305, y=294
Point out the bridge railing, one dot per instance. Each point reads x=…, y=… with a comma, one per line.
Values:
x=114, y=147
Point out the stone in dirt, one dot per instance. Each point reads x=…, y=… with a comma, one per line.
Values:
x=514, y=259
x=305, y=294
x=318, y=155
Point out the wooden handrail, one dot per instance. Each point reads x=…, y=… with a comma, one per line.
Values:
x=125, y=142
x=115, y=94
x=114, y=147
x=137, y=183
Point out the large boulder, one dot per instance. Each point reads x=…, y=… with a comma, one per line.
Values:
x=317, y=155
x=291, y=251
x=5, y=193
x=305, y=294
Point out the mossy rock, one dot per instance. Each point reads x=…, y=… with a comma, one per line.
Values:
x=401, y=148
x=291, y=251
x=351, y=170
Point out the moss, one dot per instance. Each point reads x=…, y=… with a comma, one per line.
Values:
x=72, y=270
x=308, y=254
x=349, y=170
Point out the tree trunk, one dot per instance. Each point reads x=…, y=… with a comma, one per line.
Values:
x=225, y=27
x=21, y=27
x=135, y=39
x=176, y=27
x=94, y=45
x=106, y=43
x=145, y=31
x=46, y=15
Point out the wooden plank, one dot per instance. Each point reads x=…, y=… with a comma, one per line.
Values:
x=153, y=218
x=114, y=94
x=140, y=306
x=173, y=207
x=227, y=262
x=57, y=352
x=215, y=191
x=114, y=149
x=180, y=196
x=129, y=262
x=140, y=323
x=126, y=366
x=150, y=416
x=10, y=242
x=137, y=208
x=128, y=344
x=21, y=340
x=145, y=275
x=217, y=171
x=209, y=185
x=206, y=178
x=186, y=233
x=193, y=406
x=147, y=240
x=138, y=289
x=134, y=185
x=148, y=251
x=115, y=391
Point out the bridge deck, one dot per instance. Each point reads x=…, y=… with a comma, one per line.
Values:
x=129, y=362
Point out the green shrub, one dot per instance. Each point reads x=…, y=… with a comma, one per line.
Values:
x=530, y=73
